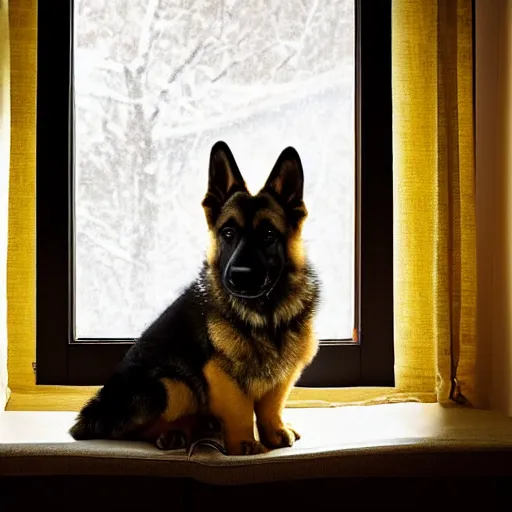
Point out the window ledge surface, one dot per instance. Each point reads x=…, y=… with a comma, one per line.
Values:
x=383, y=440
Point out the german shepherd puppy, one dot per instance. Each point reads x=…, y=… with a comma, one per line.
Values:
x=236, y=341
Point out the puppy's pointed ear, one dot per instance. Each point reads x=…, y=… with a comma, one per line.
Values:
x=224, y=180
x=286, y=183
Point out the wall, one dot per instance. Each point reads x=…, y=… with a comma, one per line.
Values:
x=494, y=200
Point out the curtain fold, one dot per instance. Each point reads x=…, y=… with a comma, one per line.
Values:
x=5, y=122
x=434, y=198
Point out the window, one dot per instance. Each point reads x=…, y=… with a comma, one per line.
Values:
x=136, y=93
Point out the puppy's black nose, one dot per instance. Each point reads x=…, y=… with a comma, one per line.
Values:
x=245, y=279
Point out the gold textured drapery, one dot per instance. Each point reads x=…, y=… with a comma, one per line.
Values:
x=5, y=141
x=434, y=203
x=21, y=268
x=434, y=225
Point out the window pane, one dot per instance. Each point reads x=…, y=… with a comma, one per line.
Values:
x=156, y=84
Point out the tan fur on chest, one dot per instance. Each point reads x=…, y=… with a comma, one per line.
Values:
x=256, y=362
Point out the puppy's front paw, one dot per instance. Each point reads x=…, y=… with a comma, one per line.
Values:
x=249, y=447
x=252, y=448
x=279, y=436
x=172, y=440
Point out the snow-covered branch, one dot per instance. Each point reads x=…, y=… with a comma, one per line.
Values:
x=265, y=98
x=200, y=46
x=146, y=28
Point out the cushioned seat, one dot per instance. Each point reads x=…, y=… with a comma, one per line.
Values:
x=383, y=440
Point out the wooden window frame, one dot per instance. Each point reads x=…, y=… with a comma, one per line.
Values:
x=367, y=361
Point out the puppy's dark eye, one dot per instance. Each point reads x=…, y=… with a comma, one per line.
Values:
x=228, y=234
x=269, y=236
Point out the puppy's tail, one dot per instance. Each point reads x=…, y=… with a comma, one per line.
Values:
x=126, y=403
x=90, y=423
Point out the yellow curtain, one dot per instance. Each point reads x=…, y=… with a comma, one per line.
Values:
x=21, y=261
x=5, y=141
x=434, y=203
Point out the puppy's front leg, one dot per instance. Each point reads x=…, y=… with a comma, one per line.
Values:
x=234, y=409
x=273, y=432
